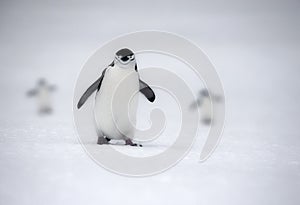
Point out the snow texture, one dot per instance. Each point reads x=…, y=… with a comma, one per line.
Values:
x=255, y=48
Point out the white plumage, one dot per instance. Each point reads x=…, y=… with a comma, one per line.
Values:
x=116, y=102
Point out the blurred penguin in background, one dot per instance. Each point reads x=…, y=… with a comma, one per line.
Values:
x=204, y=102
x=42, y=92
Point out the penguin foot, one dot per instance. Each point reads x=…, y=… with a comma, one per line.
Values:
x=102, y=140
x=129, y=142
x=206, y=121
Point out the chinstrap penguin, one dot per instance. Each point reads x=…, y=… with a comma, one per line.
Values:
x=117, y=85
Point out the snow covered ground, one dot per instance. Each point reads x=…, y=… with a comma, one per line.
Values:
x=255, y=48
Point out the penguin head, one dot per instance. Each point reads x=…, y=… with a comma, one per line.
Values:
x=41, y=82
x=204, y=93
x=125, y=58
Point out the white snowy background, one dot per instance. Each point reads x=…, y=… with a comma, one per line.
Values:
x=255, y=48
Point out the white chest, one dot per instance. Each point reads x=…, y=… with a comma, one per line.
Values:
x=43, y=96
x=116, y=102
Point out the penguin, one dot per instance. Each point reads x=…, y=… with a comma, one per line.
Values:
x=42, y=92
x=119, y=81
x=204, y=102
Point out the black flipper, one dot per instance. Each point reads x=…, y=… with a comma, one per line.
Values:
x=147, y=91
x=95, y=86
x=31, y=93
x=52, y=88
